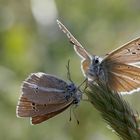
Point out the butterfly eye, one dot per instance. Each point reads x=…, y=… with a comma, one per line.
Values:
x=96, y=61
x=75, y=101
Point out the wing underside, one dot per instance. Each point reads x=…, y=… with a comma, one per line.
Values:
x=128, y=53
x=124, y=78
x=43, y=96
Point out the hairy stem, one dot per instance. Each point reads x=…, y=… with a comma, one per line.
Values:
x=115, y=111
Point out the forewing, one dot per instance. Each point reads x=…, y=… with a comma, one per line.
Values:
x=41, y=118
x=26, y=108
x=77, y=46
x=128, y=53
x=43, y=88
x=123, y=78
x=46, y=80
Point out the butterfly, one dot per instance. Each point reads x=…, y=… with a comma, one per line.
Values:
x=44, y=96
x=116, y=69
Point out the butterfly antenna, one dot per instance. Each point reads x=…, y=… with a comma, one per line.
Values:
x=85, y=80
x=68, y=71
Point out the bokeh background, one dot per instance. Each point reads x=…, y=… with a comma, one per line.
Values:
x=30, y=41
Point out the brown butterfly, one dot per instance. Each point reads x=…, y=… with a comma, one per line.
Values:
x=44, y=96
x=115, y=69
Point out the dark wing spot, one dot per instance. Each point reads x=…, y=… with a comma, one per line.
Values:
x=36, y=89
x=72, y=42
x=33, y=104
x=133, y=52
x=128, y=50
x=34, y=108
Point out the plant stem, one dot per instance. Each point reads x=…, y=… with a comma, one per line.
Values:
x=115, y=111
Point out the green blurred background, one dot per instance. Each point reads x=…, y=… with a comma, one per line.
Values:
x=30, y=41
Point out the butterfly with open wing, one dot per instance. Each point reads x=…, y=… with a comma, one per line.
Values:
x=44, y=96
x=116, y=70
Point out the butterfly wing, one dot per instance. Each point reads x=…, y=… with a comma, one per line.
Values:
x=44, y=88
x=41, y=118
x=42, y=94
x=46, y=80
x=26, y=108
x=79, y=49
x=128, y=53
x=77, y=46
x=123, y=78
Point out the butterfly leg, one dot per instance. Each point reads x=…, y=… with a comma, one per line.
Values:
x=74, y=113
x=70, y=112
x=72, y=108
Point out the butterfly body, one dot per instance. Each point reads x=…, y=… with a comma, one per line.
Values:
x=95, y=71
x=117, y=70
x=72, y=92
x=44, y=96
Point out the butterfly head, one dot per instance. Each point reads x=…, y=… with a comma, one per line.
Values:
x=74, y=92
x=94, y=68
x=95, y=60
